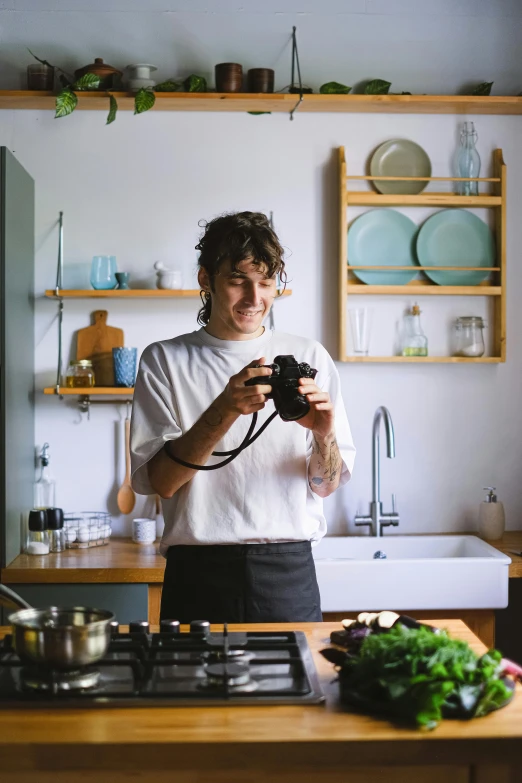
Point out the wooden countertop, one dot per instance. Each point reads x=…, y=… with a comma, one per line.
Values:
x=124, y=561
x=178, y=738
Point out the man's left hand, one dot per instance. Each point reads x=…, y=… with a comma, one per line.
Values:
x=320, y=418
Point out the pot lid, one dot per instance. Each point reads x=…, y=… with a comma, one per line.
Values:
x=98, y=67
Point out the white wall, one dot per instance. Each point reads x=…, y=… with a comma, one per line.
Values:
x=138, y=188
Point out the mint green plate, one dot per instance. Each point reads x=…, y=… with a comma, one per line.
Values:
x=382, y=237
x=455, y=237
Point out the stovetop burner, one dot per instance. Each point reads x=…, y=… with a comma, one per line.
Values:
x=170, y=668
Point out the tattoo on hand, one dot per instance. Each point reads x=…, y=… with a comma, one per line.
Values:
x=213, y=417
x=328, y=461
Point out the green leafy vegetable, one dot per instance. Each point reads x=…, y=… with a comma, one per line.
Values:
x=334, y=88
x=195, y=83
x=144, y=100
x=255, y=113
x=483, y=89
x=419, y=676
x=377, y=87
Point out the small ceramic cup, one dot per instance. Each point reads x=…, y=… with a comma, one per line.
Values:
x=144, y=531
x=123, y=280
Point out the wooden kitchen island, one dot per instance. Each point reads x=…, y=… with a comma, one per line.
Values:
x=263, y=744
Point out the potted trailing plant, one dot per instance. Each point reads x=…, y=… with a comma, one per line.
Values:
x=144, y=99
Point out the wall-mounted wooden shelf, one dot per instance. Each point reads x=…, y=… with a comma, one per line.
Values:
x=495, y=287
x=424, y=359
x=131, y=293
x=277, y=102
x=90, y=391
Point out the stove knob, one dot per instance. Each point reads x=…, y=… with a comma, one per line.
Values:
x=169, y=626
x=200, y=627
x=115, y=627
x=139, y=626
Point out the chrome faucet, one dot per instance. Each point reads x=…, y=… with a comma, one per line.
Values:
x=376, y=519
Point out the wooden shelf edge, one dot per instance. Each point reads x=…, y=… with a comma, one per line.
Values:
x=90, y=391
x=144, y=293
x=278, y=102
x=362, y=199
x=423, y=360
x=360, y=289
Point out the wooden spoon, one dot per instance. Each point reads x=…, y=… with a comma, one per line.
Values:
x=126, y=497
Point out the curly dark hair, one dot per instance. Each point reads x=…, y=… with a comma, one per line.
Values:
x=235, y=237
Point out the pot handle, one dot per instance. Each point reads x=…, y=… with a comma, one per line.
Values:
x=9, y=599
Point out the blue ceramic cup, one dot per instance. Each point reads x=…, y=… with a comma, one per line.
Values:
x=124, y=360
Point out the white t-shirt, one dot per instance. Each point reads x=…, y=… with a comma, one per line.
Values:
x=263, y=495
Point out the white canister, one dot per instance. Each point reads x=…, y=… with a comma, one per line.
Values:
x=144, y=531
x=139, y=76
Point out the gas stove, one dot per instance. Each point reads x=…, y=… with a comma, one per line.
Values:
x=171, y=668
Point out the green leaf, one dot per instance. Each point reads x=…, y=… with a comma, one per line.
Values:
x=144, y=100
x=66, y=102
x=113, y=108
x=377, y=87
x=89, y=81
x=334, y=88
x=259, y=112
x=483, y=89
x=167, y=86
x=195, y=83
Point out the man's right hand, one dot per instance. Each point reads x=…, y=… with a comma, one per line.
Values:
x=238, y=398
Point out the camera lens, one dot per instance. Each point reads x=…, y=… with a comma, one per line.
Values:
x=293, y=407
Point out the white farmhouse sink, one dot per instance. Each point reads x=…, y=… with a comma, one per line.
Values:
x=419, y=572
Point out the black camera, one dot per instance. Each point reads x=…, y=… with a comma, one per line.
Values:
x=286, y=371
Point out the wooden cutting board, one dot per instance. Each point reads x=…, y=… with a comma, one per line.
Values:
x=96, y=343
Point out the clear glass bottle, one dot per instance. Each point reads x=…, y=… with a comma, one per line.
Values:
x=467, y=160
x=37, y=542
x=414, y=341
x=469, y=337
x=45, y=487
x=80, y=374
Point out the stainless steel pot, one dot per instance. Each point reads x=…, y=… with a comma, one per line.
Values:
x=57, y=638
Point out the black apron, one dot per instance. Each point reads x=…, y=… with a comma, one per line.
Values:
x=241, y=583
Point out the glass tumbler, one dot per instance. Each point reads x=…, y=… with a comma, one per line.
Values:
x=361, y=322
x=103, y=272
x=125, y=360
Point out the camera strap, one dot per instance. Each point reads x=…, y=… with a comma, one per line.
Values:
x=231, y=455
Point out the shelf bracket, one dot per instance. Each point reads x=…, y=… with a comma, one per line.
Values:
x=295, y=62
x=85, y=402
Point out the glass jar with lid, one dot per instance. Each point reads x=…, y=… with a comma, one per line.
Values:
x=80, y=374
x=469, y=336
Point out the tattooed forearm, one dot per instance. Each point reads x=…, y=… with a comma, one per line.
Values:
x=324, y=470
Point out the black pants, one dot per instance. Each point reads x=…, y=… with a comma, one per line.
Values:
x=241, y=583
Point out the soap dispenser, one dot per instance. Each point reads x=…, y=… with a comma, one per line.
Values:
x=492, y=520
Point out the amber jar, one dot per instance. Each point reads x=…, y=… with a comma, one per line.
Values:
x=80, y=374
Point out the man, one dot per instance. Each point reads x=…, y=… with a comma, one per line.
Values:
x=237, y=539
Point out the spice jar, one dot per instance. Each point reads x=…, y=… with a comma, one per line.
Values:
x=37, y=542
x=469, y=336
x=55, y=529
x=80, y=374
